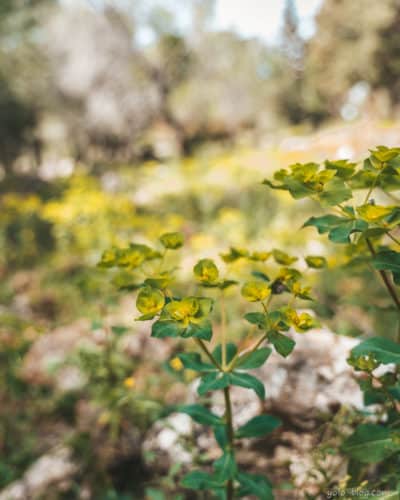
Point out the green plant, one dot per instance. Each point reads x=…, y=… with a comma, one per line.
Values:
x=110, y=383
x=201, y=312
x=364, y=217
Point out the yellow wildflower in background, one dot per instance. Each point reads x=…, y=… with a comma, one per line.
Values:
x=130, y=382
x=176, y=364
x=255, y=291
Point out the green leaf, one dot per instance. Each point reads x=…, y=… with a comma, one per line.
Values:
x=258, y=426
x=119, y=330
x=383, y=350
x=212, y=382
x=161, y=329
x=270, y=184
x=200, y=414
x=226, y=284
x=201, y=330
x=161, y=280
x=133, y=256
x=260, y=275
x=297, y=188
x=278, y=320
x=256, y=318
x=259, y=256
x=394, y=217
x=124, y=280
x=388, y=260
x=284, y=345
x=335, y=192
x=344, y=168
x=315, y=261
x=249, y=382
x=193, y=361
x=231, y=351
x=234, y=254
x=283, y=258
x=225, y=467
x=172, y=241
x=374, y=232
x=325, y=223
x=370, y=443
x=199, y=480
x=341, y=234
x=253, y=484
x=374, y=213
x=383, y=153
x=254, y=359
x=220, y=436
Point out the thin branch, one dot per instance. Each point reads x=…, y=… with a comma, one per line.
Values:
x=206, y=351
x=385, y=278
x=223, y=330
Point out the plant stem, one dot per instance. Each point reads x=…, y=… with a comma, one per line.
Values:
x=223, y=330
x=393, y=238
x=387, y=282
x=385, y=278
x=246, y=352
x=373, y=185
x=388, y=395
x=162, y=260
x=206, y=351
x=229, y=435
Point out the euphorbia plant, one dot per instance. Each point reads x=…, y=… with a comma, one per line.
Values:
x=273, y=289
x=363, y=215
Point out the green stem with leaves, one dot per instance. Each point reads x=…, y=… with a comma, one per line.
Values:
x=223, y=330
x=229, y=435
x=393, y=238
x=387, y=282
x=233, y=362
x=207, y=352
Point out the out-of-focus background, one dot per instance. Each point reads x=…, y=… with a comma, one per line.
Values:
x=120, y=120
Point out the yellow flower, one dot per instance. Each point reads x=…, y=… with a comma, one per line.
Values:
x=188, y=311
x=206, y=271
x=301, y=322
x=183, y=310
x=109, y=258
x=255, y=291
x=130, y=382
x=150, y=301
x=176, y=364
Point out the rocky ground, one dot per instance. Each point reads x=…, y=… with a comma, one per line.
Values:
x=306, y=391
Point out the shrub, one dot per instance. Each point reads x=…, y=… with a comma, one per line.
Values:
x=363, y=216
x=199, y=313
